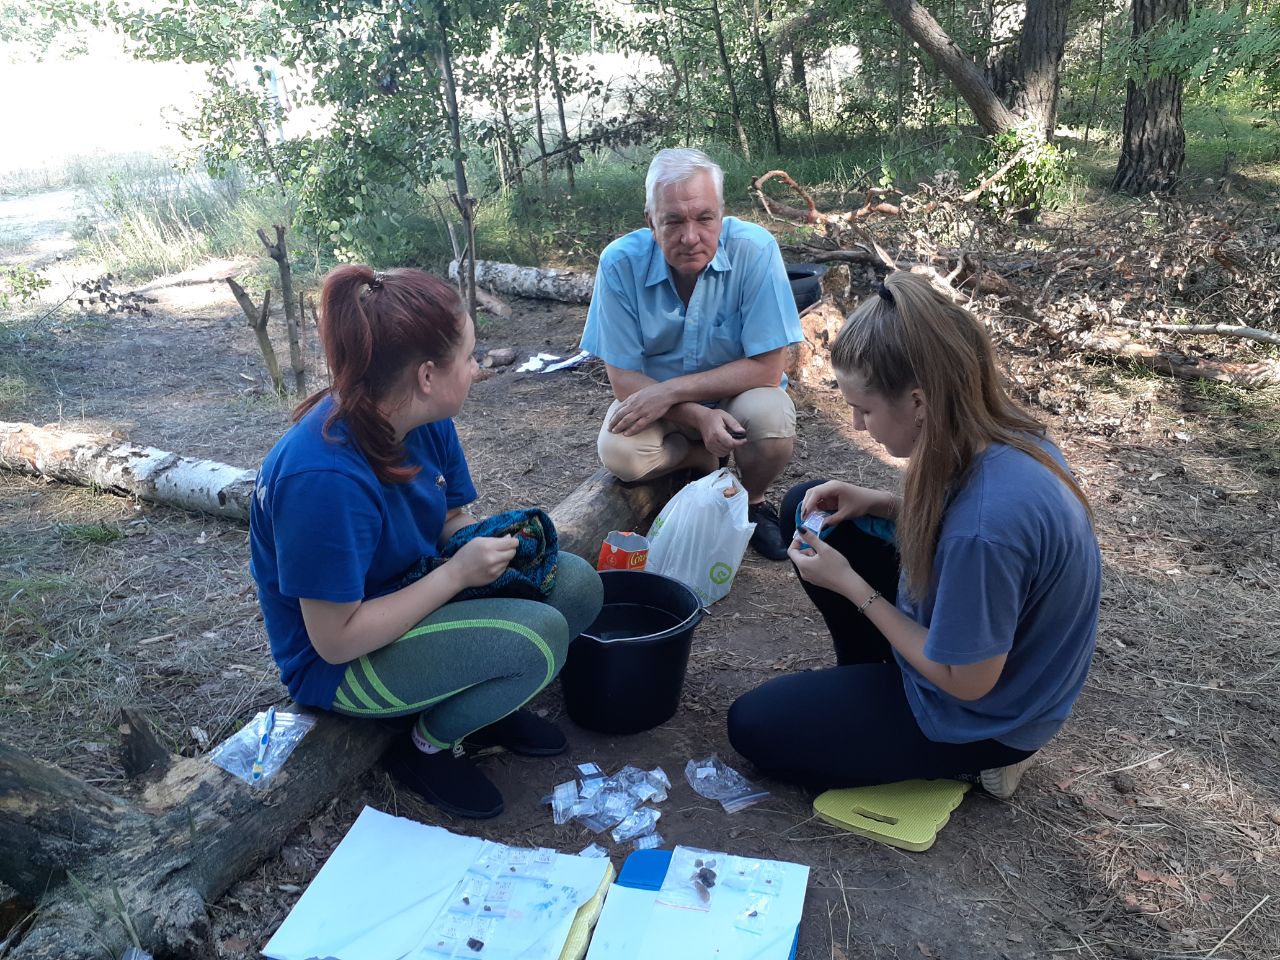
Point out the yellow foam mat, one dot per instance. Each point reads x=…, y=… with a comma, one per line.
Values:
x=575, y=948
x=907, y=814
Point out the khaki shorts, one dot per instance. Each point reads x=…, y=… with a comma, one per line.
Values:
x=766, y=413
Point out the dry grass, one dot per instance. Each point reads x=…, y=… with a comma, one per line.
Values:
x=161, y=617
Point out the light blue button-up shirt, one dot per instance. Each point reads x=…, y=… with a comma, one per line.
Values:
x=742, y=305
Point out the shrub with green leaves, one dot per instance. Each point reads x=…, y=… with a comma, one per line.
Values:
x=19, y=285
x=1037, y=182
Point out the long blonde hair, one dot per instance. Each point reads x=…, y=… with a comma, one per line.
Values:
x=912, y=336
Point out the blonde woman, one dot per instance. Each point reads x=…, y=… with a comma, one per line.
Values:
x=963, y=610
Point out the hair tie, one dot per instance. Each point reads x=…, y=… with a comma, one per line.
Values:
x=885, y=294
x=376, y=282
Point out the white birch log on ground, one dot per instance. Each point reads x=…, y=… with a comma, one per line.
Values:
x=118, y=466
x=539, y=283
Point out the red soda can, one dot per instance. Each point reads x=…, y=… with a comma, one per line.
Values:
x=623, y=550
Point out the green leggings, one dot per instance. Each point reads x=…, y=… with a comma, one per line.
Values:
x=472, y=662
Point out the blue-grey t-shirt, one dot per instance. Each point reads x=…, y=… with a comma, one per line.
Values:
x=742, y=305
x=322, y=526
x=1017, y=571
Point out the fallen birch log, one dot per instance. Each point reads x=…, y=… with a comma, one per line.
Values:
x=539, y=283
x=118, y=466
x=111, y=872
x=600, y=504
x=1249, y=375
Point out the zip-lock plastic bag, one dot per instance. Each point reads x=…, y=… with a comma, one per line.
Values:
x=700, y=536
x=712, y=779
x=238, y=753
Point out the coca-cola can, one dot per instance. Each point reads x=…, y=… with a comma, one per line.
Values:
x=623, y=550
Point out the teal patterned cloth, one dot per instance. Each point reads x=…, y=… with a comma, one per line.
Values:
x=531, y=574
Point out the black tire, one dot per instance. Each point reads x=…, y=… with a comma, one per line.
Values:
x=806, y=283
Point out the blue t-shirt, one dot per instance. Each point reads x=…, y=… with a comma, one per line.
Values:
x=1017, y=571
x=742, y=305
x=322, y=526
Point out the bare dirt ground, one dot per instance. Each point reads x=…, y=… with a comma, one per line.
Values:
x=1150, y=827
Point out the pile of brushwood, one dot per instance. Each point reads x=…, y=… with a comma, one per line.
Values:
x=1185, y=287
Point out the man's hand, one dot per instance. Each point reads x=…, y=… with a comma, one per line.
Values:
x=481, y=561
x=640, y=409
x=721, y=434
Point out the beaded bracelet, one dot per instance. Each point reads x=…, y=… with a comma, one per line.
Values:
x=875, y=595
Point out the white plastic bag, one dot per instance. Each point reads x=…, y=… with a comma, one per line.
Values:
x=701, y=534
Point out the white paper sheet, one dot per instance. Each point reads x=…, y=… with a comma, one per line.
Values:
x=374, y=890
x=389, y=880
x=633, y=926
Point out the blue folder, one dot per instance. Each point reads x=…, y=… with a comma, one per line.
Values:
x=646, y=869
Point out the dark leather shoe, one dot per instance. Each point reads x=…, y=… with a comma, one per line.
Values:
x=521, y=732
x=767, y=538
x=445, y=780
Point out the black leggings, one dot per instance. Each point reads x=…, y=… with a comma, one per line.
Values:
x=849, y=725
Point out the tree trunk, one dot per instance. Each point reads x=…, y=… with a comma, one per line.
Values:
x=554, y=70
x=1040, y=48
x=920, y=25
x=280, y=255
x=1153, y=146
x=539, y=283
x=465, y=202
x=537, y=109
x=125, y=468
x=516, y=171
x=147, y=870
x=767, y=78
x=602, y=503
x=801, y=80
x=258, y=324
x=735, y=111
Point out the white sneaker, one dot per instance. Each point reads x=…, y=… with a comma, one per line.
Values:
x=1002, y=782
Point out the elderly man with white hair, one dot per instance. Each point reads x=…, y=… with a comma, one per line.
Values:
x=692, y=317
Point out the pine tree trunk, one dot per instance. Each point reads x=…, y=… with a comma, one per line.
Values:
x=1040, y=49
x=1153, y=147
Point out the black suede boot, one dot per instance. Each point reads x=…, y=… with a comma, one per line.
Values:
x=444, y=779
x=521, y=732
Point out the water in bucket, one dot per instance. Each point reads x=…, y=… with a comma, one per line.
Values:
x=631, y=621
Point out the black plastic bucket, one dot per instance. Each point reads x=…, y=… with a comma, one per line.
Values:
x=625, y=673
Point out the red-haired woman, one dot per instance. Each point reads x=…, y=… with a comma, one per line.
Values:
x=369, y=481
